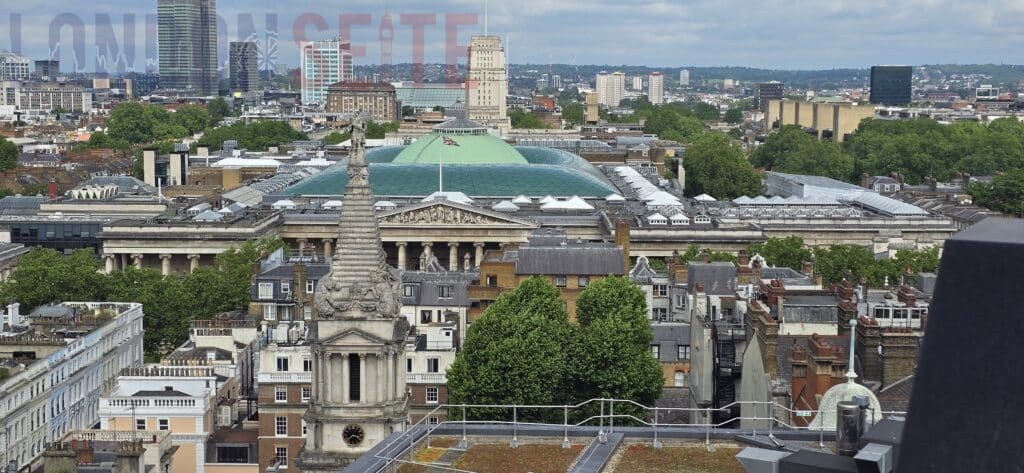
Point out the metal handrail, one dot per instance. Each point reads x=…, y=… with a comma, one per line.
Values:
x=397, y=447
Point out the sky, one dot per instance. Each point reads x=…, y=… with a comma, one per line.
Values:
x=775, y=34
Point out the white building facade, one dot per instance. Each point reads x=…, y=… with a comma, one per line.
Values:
x=323, y=63
x=611, y=88
x=656, y=88
x=487, y=84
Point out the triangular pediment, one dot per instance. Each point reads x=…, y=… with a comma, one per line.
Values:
x=448, y=213
x=353, y=336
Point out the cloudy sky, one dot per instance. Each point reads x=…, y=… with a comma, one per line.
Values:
x=785, y=34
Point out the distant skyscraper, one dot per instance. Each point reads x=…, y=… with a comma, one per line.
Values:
x=611, y=88
x=187, y=32
x=684, y=77
x=638, y=83
x=244, y=64
x=13, y=66
x=48, y=68
x=656, y=88
x=323, y=64
x=487, y=84
x=556, y=82
x=767, y=91
x=890, y=85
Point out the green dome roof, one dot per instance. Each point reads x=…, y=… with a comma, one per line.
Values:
x=542, y=171
x=470, y=149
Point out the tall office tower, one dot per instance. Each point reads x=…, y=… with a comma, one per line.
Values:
x=611, y=88
x=48, y=68
x=187, y=35
x=244, y=64
x=656, y=88
x=684, y=77
x=358, y=338
x=768, y=91
x=487, y=83
x=556, y=82
x=638, y=83
x=13, y=66
x=890, y=85
x=323, y=64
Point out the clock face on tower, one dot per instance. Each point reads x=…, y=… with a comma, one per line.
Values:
x=353, y=435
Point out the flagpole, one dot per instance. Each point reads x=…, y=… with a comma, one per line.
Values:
x=440, y=167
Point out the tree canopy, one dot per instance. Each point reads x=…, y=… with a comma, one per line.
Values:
x=8, y=155
x=716, y=167
x=256, y=136
x=522, y=119
x=1005, y=194
x=793, y=150
x=788, y=252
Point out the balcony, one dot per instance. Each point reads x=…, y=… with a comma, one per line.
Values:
x=285, y=377
x=426, y=378
x=137, y=402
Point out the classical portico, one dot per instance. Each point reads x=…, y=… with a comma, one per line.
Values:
x=358, y=337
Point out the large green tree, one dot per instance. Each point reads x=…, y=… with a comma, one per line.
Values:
x=193, y=118
x=716, y=167
x=8, y=155
x=218, y=109
x=43, y=275
x=516, y=353
x=1005, y=194
x=788, y=252
x=256, y=136
x=522, y=119
x=792, y=150
x=612, y=355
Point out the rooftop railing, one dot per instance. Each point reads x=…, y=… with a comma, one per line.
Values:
x=606, y=415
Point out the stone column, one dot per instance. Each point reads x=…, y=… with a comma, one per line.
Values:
x=344, y=378
x=479, y=254
x=124, y=261
x=165, y=264
x=137, y=260
x=453, y=256
x=107, y=259
x=328, y=250
x=401, y=254
x=427, y=249
x=390, y=373
x=193, y=263
x=362, y=378
x=302, y=246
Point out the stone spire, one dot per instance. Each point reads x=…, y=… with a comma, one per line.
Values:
x=360, y=283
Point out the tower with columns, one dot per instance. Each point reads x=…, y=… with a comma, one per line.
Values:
x=358, y=337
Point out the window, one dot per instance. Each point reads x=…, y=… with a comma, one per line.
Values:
x=433, y=421
x=433, y=365
x=408, y=290
x=266, y=290
x=656, y=351
x=304, y=430
x=307, y=393
x=285, y=312
x=310, y=286
x=660, y=290
x=680, y=379
x=684, y=352
x=307, y=365
x=307, y=312
x=560, y=281
x=492, y=280
x=140, y=424
x=584, y=281
x=281, y=426
x=408, y=365
x=269, y=312
x=280, y=394
x=431, y=395
x=659, y=313
x=444, y=291
x=281, y=456
x=286, y=287
x=880, y=313
x=163, y=424
x=282, y=363
x=426, y=316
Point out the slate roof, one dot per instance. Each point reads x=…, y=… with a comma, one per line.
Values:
x=717, y=278
x=896, y=396
x=161, y=393
x=588, y=259
x=669, y=337
x=20, y=205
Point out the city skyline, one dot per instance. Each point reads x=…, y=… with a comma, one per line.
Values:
x=705, y=33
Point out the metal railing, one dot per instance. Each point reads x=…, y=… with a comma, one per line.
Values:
x=650, y=420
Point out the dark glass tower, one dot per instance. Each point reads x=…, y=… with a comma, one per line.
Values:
x=244, y=61
x=890, y=85
x=187, y=32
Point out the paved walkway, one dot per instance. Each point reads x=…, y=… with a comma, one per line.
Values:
x=597, y=455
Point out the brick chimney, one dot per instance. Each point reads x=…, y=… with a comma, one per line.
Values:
x=129, y=457
x=622, y=230
x=907, y=295
x=58, y=456
x=847, y=312
x=760, y=324
x=900, y=348
x=815, y=371
x=299, y=276
x=869, y=338
x=51, y=190
x=744, y=273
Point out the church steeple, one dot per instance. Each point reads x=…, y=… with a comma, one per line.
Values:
x=357, y=339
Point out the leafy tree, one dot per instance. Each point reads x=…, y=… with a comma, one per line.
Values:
x=788, y=252
x=336, y=138
x=407, y=111
x=377, y=131
x=43, y=276
x=716, y=167
x=573, y=113
x=794, y=151
x=516, y=352
x=839, y=262
x=218, y=109
x=130, y=123
x=257, y=136
x=734, y=116
x=192, y=118
x=735, y=133
x=236, y=267
x=670, y=124
x=522, y=119
x=8, y=155
x=1005, y=194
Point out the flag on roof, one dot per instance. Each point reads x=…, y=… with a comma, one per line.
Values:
x=449, y=142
